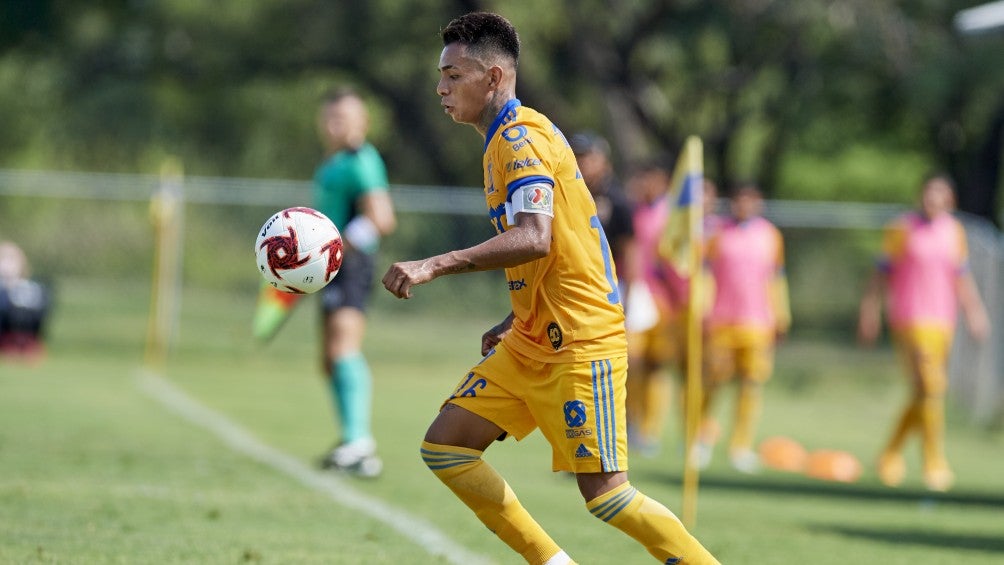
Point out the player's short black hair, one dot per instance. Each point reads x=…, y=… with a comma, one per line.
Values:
x=746, y=187
x=659, y=162
x=337, y=93
x=942, y=176
x=585, y=142
x=484, y=34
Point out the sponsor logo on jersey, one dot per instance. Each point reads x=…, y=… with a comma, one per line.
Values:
x=554, y=335
x=523, y=143
x=514, y=133
x=525, y=163
x=582, y=451
x=517, y=285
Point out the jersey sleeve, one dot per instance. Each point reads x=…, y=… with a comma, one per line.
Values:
x=526, y=156
x=371, y=173
x=893, y=244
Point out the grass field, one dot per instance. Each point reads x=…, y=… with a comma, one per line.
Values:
x=95, y=468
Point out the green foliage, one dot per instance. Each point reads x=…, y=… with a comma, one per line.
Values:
x=231, y=87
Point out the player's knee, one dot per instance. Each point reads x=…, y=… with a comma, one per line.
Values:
x=447, y=460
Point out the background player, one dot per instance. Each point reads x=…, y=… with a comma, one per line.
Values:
x=24, y=306
x=652, y=345
x=923, y=271
x=558, y=359
x=350, y=187
x=749, y=312
x=592, y=153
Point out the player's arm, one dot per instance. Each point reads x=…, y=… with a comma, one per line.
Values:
x=780, y=298
x=529, y=239
x=870, y=309
x=492, y=337
x=376, y=219
x=977, y=319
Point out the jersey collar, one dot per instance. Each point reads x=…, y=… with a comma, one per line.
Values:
x=505, y=115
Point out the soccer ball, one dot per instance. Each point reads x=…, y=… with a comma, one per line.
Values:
x=299, y=250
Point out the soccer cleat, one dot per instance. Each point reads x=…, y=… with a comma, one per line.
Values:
x=891, y=469
x=745, y=461
x=939, y=479
x=356, y=457
x=700, y=455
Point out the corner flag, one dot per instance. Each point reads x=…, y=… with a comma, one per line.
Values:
x=681, y=246
x=683, y=230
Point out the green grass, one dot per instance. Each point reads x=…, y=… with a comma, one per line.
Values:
x=92, y=470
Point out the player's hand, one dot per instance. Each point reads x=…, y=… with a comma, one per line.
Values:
x=869, y=326
x=402, y=276
x=979, y=325
x=492, y=337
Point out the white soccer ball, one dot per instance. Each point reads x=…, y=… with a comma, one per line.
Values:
x=299, y=250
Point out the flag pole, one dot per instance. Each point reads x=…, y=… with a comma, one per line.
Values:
x=693, y=151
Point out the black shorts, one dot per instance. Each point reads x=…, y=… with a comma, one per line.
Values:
x=352, y=285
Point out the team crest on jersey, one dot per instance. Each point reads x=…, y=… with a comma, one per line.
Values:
x=554, y=335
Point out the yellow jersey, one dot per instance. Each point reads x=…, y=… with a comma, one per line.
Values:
x=566, y=305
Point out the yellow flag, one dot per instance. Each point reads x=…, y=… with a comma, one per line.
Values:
x=683, y=229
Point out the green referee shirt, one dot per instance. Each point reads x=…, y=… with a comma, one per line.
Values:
x=343, y=178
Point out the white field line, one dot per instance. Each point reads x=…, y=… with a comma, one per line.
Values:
x=240, y=440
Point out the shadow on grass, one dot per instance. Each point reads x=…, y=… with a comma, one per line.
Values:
x=796, y=486
x=934, y=538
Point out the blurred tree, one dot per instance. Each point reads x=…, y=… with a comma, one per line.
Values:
x=845, y=99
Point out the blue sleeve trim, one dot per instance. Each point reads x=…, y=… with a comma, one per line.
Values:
x=511, y=187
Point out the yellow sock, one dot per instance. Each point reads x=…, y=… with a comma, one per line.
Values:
x=485, y=492
x=747, y=416
x=908, y=420
x=650, y=523
x=932, y=425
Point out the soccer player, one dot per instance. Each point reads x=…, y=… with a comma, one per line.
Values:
x=350, y=187
x=748, y=313
x=653, y=334
x=592, y=153
x=924, y=273
x=557, y=361
x=24, y=306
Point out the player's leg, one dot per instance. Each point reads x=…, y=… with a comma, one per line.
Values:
x=648, y=389
x=718, y=368
x=453, y=447
x=582, y=416
x=351, y=387
x=611, y=498
x=933, y=378
x=344, y=327
x=891, y=467
x=754, y=364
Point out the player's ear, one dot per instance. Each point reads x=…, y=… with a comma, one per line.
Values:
x=495, y=76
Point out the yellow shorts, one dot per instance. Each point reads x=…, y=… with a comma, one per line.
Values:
x=738, y=350
x=924, y=349
x=579, y=406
